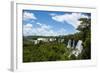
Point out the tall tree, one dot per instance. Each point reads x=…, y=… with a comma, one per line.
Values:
x=85, y=31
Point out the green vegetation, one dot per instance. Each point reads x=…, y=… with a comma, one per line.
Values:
x=56, y=51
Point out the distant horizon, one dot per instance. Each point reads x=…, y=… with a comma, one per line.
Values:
x=51, y=23
x=48, y=35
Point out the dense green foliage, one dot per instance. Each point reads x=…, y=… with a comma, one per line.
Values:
x=85, y=29
x=54, y=51
x=45, y=52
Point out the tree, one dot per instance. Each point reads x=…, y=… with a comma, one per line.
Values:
x=85, y=24
x=85, y=31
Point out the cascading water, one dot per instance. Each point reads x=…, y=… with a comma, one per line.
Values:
x=79, y=46
x=69, y=44
x=77, y=49
x=73, y=44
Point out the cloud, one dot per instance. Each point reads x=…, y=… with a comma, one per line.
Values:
x=62, y=31
x=69, y=18
x=52, y=14
x=41, y=30
x=39, y=23
x=28, y=15
x=28, y=26
x=27, y=29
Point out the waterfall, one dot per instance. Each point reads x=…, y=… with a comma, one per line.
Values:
x=73, y=44
x=69, y=44
x=77, y=47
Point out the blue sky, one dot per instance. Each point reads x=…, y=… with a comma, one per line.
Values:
x=50, y=23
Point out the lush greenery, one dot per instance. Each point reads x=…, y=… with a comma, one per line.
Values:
x=54, y=51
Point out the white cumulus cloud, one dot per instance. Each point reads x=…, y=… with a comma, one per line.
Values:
x=28, y=15
x=42, y=30
x=69, y=18
x=27, y=29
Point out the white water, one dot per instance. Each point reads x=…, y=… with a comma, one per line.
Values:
x=76, y=49
x=73, y=46
x=79, y=46
x=69, y=44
